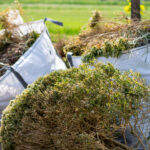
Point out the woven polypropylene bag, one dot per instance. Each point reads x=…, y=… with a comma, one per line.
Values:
x=39, y=60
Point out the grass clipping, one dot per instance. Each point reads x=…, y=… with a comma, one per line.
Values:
x=78, y=108
x=102, y=38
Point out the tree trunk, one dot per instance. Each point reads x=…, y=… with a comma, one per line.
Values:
x=135, y=10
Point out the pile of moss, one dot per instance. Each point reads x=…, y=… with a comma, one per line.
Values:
x=103, y=38
x=79, y=108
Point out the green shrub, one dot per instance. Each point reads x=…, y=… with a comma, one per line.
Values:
x=78, y=108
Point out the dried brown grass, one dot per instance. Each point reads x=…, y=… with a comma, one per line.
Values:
x=108, y=31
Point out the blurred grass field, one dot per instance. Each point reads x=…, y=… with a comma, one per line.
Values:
x=84, y=2
x=73, y=13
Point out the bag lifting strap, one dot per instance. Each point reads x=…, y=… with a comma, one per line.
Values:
x=17, y=75
x=69, y=58
x=53, y=21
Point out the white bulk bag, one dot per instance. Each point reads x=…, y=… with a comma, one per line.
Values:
x=39, y=60
x=19, y=28
x=37, y=26
x=29, y=27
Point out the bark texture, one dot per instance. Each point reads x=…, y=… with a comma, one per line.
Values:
x=135, y=10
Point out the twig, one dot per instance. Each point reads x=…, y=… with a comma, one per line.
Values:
x=137, y=137
x=116, y=142
x=144, y=136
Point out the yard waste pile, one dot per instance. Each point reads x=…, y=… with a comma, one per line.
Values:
x=13, y=48
x=26, y=52
x=108, y=39
x=78, y=108
x=12, y=45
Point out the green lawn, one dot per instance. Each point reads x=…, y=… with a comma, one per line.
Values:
x=74, y=17
x=74, y=13
x=81, y=2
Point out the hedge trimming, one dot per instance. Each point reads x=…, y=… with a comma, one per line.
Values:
x=78, y=108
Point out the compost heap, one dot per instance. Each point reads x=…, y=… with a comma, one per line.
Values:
x=12, y=45
x=78, y=108
x=102, y=38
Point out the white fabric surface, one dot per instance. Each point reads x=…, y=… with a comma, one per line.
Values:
x=14, y=17
x=23, y=29
x=39, y=60
x=9, y=87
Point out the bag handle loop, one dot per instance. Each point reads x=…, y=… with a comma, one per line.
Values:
x=17, y=75
x=53, y=21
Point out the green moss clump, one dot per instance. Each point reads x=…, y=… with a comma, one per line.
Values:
x=78, y=108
